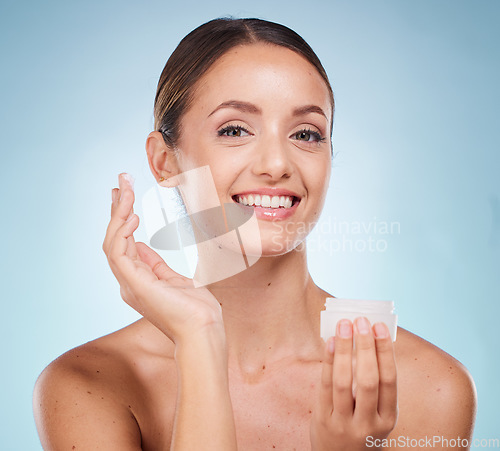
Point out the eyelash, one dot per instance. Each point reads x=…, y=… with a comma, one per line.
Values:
x=317, y=135
x=228, y=128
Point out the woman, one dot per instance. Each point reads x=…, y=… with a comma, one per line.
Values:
x=239, y=363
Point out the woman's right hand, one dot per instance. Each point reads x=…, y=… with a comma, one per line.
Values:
x=167, y=299
x=191, y=317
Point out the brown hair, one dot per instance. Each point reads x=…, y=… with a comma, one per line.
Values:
x=201, y=48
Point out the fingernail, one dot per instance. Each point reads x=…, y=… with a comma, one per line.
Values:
x=129, y=179
x=130, y=217
x=363, y=326
x=345, y=328
x=381, y=330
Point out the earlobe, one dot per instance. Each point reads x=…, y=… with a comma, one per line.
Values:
x=169, y=182
x=161, y=158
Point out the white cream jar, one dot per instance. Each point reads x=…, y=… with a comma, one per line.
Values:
x=375, y=311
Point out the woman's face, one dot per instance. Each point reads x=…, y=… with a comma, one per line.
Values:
x=260, y=119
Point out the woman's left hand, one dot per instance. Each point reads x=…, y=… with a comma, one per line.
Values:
x=342, y=420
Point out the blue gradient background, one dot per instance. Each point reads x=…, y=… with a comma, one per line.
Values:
x=416, y=142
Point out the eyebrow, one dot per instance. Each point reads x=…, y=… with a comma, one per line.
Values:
x=247, y=107
x=301, y=111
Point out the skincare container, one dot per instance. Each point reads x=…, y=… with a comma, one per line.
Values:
x=375, y=311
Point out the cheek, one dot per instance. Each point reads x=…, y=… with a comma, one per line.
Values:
x=226, y=169
x=195, y=149
x=197, y=156
x=319, y=179
x=325, y=182
x=223, y=179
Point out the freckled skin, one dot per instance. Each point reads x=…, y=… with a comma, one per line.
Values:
x=270, y=410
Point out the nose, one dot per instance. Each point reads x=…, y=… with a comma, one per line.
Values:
x=273, y=160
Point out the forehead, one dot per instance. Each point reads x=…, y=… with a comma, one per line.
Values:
x=262, y=73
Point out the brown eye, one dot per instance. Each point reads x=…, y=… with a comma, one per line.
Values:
x=308, y=136
x=303, y=136
x=234, y=132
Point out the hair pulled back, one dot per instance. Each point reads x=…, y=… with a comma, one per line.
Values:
x=200, y=49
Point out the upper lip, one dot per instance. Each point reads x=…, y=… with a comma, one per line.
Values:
x=270, y=191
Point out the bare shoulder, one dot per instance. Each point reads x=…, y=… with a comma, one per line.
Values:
x=437, y=395
x=91, y=395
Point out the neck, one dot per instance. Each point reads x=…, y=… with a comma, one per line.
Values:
x=271, y=312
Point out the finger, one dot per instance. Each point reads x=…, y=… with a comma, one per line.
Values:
x=367, y=377
x=120, y=262
x=160, y=268
x=388, y=393
x=131, y=247
x=137, y=280
x=125, y=195
x=115, y=200
x=343, y=402
x=126, y=183
x=326, y=389
x=120, y=211
x=115, y=194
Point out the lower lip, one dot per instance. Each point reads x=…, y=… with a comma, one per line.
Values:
x=271, y=214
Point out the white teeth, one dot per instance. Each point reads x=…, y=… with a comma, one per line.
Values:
x=266, y=201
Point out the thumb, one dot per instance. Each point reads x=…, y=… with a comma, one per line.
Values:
x=160, y=268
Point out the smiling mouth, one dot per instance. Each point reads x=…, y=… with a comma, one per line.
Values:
x=266, y=201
